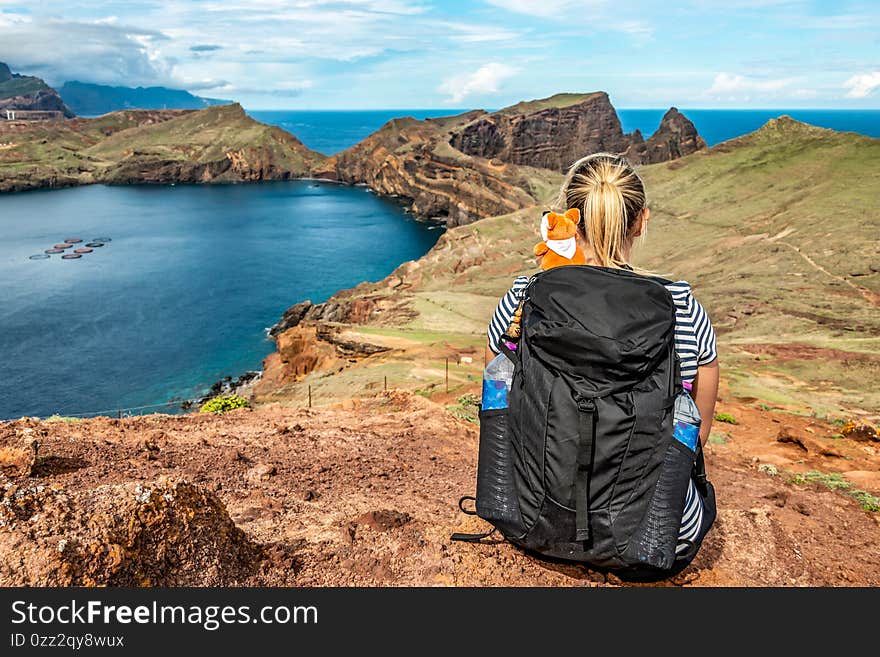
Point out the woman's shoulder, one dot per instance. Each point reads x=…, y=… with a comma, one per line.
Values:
x=678, y=289
x=519, y=285
x=682, y=295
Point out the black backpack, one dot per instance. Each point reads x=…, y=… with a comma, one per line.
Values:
x=582, y=465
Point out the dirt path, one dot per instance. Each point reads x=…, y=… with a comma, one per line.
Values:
x=367, y=496
x=869, y=296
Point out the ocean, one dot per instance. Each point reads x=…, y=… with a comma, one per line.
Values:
x=329, y=132
x=183, y=293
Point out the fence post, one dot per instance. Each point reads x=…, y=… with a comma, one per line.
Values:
x=447, y=374
x=118, y=414
x=386, y=383
x=310, y=395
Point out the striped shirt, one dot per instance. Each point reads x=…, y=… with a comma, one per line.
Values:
x=694, y=335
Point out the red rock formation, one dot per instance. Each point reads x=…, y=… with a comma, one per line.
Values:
x=676, y=137
x=554, y=132
x=545, y=134
x=413, y=160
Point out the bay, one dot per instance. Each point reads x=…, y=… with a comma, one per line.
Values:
x=184, y=292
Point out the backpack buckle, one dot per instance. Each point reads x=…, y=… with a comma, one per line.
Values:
x=585, y=404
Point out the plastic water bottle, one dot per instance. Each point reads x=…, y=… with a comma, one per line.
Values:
x=686, y=418
x=496, y=382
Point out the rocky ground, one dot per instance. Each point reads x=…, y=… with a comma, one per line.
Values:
x=365, y=494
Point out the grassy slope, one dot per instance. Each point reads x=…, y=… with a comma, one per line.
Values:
x=769, y=228
x=555, y=101
x=81, y=151
x=21, y=86
x=729, y=221
x=205, y=136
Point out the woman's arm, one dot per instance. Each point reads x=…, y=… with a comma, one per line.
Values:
x=705, y=392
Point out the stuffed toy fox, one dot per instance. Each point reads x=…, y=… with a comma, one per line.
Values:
x=559, y=248
x=560, y=245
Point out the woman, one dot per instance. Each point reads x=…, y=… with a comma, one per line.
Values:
x=612, y=202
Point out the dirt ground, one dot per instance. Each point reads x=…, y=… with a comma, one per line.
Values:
x=366, y=495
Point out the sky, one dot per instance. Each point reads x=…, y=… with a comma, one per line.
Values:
x=372, y=54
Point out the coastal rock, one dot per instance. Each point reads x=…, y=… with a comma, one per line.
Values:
x=291, y=317
x=45, y=100
x=549, y=134
x=337, y=310
x=675, y=137
x=29, y=93
x=555, y=132
x=413, y=160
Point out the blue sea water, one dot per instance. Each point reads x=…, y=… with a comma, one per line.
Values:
x=329, y=132
x=183, y=293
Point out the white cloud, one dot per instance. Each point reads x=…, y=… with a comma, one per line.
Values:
x=726, y=84
x=543, y=8
x=862, y=85
x=93, y=52
x=485, y=80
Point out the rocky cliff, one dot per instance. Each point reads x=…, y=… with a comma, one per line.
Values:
x=554, y=132
x=547, y=134
x=25, y=92
x=413, y=159
x=461, y=168
x=676, y=137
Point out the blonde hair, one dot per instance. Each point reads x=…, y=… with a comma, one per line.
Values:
x=611, y=198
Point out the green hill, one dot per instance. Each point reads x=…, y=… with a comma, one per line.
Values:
x=217, y=144
x=12, y=84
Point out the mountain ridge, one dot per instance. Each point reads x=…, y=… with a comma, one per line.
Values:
x=86, y=98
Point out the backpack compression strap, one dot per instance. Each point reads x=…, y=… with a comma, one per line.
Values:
x=586, y=438
x=470, y=538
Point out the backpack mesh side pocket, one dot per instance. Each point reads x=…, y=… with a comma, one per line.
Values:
x=653, y=543
x=496, y=494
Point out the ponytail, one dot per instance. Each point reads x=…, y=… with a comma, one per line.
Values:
x=611, y=197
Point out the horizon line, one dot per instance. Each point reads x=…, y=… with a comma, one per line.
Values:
x=657, y=109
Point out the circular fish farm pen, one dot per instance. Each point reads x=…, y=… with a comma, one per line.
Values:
x=75, y=253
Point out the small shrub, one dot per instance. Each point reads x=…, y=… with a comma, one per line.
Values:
x=835, y=481
x=467, y=408
x=725, y=417
x=422, y=393
x=718, y=438
x=769, y=469
x=63, y=418
x=223, y=403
